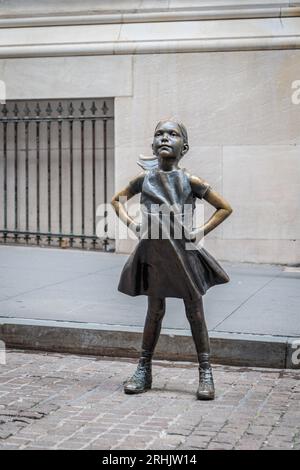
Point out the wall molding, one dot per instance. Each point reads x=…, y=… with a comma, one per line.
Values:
x=151, y=47
x=148, y=17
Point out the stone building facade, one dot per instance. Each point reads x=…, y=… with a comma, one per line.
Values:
x=228, y=69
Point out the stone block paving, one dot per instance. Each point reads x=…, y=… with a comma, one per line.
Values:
x=56, y=401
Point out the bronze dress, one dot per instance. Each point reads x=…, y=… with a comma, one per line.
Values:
x=163, y=266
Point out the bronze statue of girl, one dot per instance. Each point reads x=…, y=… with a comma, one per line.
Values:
x=166, y=265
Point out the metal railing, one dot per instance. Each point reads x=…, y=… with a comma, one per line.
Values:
x=46, y=203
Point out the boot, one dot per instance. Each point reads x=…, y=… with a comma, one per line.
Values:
x=141, y=380
x=206, y=389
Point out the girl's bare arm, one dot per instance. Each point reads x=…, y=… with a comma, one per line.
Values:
x=119, y=200
x=223, y=210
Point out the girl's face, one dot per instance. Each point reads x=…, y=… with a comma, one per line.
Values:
x=168, y=141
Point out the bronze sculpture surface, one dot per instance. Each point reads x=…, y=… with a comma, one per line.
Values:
x=167, y=261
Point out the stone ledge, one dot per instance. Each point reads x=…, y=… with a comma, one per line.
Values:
x=151, y=47
x=116, y=341
x=204, y=14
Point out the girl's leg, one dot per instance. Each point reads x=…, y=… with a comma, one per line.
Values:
x=195, y=314
x=155, y=313
x=142, y=378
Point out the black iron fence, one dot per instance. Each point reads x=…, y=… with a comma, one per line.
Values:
x=56, y=169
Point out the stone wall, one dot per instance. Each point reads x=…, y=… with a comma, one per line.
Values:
x=227, y=72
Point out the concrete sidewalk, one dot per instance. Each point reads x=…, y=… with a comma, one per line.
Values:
x=67, y=301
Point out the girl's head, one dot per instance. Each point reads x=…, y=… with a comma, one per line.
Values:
x=170, y=140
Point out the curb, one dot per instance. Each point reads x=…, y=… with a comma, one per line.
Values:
x=236, y=349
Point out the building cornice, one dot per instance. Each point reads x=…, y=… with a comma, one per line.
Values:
x=155, y=37
x=203, y=14
x=151, y=47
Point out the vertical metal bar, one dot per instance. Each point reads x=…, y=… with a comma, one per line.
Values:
x=49, y=172
x=94, y=180
x=38, y=176
x=16, y=172
x=105, y=242
x=82, y=110
x=26, y=182
x=82, y=182
x=60, y=172
x=71, y=181
x=5, y=177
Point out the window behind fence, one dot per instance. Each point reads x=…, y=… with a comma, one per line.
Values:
x=56, y=168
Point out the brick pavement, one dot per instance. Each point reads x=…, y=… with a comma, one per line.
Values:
x=56, y=401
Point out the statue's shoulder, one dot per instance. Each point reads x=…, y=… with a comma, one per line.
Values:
x=136, y=183
x=198, y=184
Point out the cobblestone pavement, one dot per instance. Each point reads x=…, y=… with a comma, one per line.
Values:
x=55, y=401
